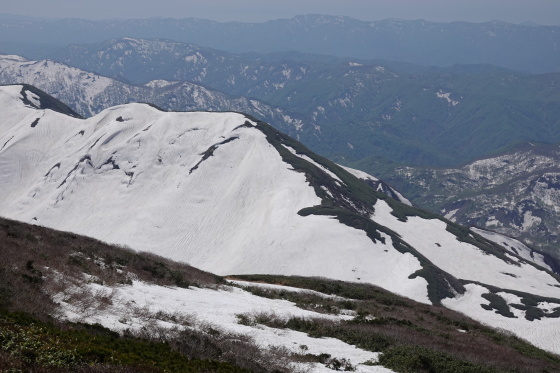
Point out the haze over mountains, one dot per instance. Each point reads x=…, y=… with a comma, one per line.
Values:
x=519, y=47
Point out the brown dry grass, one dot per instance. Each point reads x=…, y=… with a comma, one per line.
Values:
x=37, y=263
x=395, y=321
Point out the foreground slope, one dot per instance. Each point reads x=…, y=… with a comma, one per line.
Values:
x=229, y=194
x=174, y=318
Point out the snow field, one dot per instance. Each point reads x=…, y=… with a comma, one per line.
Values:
x=443, y=249
x=308, y=159
x=465, y=261
x=510, y=243
x=127, y=176
x=263, y=285
x=544, y=333
x=218, y=309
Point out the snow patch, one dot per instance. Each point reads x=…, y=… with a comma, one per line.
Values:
x=159, y=83
x=216, y=308
x=445, y=96
x=33, y=98
x=450, y=214
x=365, y=176
x=514, y=246
x=308, y=159
x=452, y=254
x=544, y=333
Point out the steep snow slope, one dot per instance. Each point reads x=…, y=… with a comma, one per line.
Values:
x=431, y=238
x=231, y=195
x=507, y=291
x=206, y=188
x=519, y=248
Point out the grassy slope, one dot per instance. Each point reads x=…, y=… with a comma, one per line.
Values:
x=32, y=260
x=414, y=337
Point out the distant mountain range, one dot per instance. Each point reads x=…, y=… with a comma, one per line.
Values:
x=229, y=194
x=89, y=93
x=527, y=48
x=429, y=117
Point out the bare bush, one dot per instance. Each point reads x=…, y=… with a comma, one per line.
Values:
x=215, y=344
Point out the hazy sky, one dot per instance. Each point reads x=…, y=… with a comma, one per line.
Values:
x=545, y=12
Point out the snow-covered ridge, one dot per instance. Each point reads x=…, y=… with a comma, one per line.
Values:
x=189, y=186
x=159, y=83
x=321, y=167
x=12, y=57
x=217, y=190
x=89, y=93
x=430, y=237
x=515, y=247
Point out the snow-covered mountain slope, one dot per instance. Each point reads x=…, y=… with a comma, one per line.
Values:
x=500, y=286
x=516, y=193
x=89, y=93
x=189, y=186
x=379, y=185
x=231, y=195
x=519, y=248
